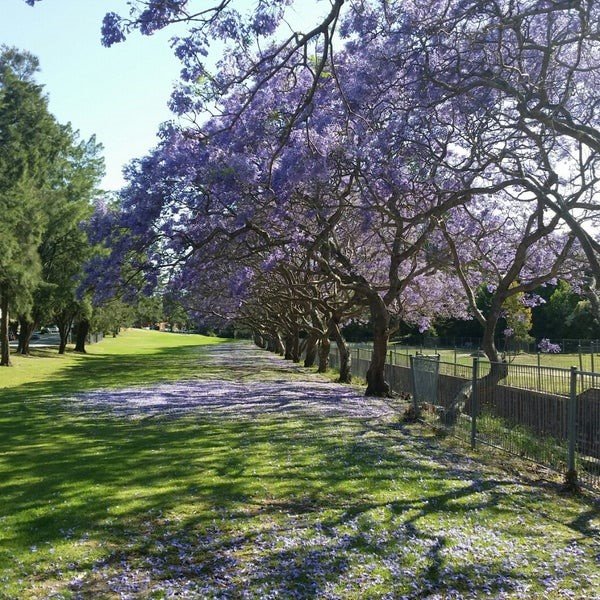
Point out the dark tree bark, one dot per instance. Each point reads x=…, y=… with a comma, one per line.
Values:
x=279, y=347
x=4, y=340
x=376, y=383
x=62, y=344
x=344, y=350
x=288, y=344
x=296, y=347
x=259, y=340
x=311, y=350
x=65, y=324
x=498, y=368
x=26, y=328
x=324, y=348
x=83, y=328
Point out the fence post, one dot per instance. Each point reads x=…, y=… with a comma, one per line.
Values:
x=539, y=371
x=571, y=474
x=455, y=359
x=414, y=386
x=474, y=402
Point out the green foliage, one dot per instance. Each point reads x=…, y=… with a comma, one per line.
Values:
x=28, y=135
x=47, y=179
x=64, y=247
x=551, y=320
x=149, y=310
x=581, y=323
x=518, y=318
x=110, y=317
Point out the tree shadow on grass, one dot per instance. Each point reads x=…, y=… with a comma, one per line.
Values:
x=231, y=496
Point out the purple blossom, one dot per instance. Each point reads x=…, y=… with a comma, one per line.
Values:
x=112, y=29
x=548, y=347
x=532, y=300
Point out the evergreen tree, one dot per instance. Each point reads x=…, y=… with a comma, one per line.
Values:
x=30, y=139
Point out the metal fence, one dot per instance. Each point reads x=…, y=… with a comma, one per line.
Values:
x=544, y=414
x=94, y=338
x=567, y=345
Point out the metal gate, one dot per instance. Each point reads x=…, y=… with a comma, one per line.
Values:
x=425, y=370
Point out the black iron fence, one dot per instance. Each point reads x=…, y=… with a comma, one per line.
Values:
x=566, y=345
x=545, y=414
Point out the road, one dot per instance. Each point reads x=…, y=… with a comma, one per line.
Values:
x=44, y=340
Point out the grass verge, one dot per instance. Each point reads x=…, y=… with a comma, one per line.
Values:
x=208, y=506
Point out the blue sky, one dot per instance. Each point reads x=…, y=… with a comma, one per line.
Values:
x=118, y=93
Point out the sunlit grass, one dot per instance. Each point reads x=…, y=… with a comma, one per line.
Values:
x=134, y=357
x=101, y=506
x=461, y=356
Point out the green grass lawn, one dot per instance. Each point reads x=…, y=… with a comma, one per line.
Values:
x=95, y=505
x=560, y=360
x=134, y=357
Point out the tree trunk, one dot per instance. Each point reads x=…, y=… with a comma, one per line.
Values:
x=83, y=328
x=296, y=347
x=344, y=350
x=498, y=368
x=65, y=324
x=376, y=383
x=62, y=344
x=324, y=348
x=487, y=343
x=279, y=347
x=4, y=341
x=311, y=350
x=26, y=328
x=288, y=344
x=498, y=372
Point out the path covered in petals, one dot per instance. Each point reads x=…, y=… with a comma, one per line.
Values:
x=251, y=397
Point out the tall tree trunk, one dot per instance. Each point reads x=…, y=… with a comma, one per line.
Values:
x=62, y=344
x=498, y=371
x=64, y=338
x=288, y=345
x=324, y=348
x=311, y=350
x=4, y=341
x=26, y=328
x=344, y=350
x=498, y=368
x=279, y=347
x=65, y=324
x=83, y=328
x=296, y=346
x=376, y=383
